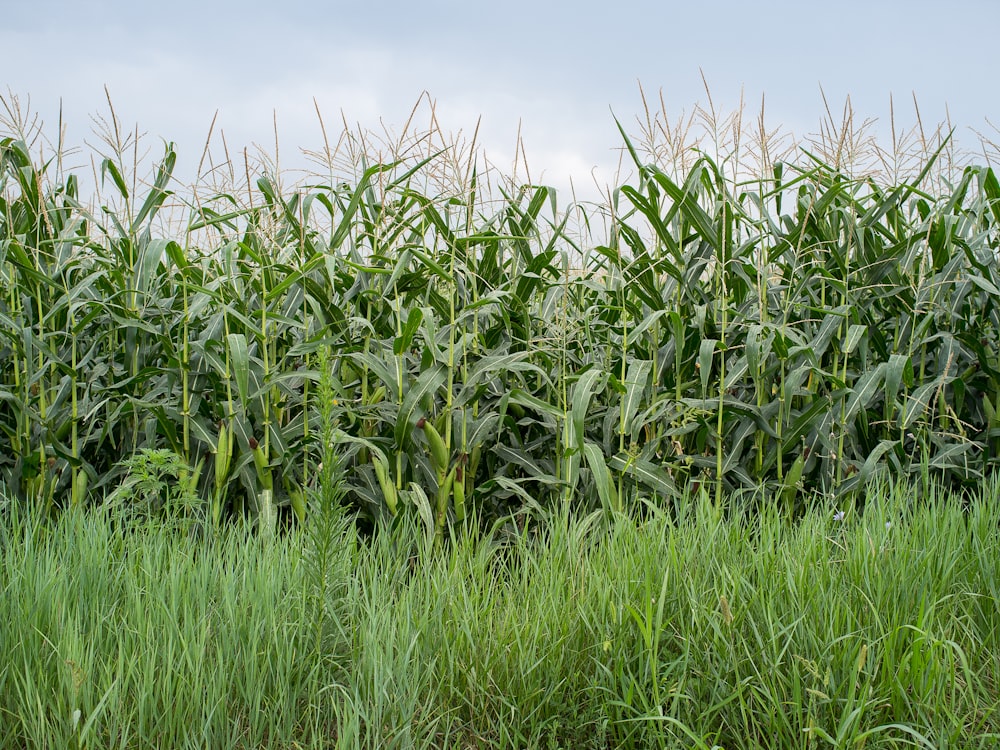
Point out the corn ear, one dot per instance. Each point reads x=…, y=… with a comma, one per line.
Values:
x=263, y=471
x=444, y=491
x=459, y=491
x=439, y=451
x=386, y=483
x=223, y=456
x=80, y=487
x=792, y=478
x=474, y=457
x=194, y=477
x=298, y=502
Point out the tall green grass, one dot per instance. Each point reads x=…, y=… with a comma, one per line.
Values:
x=876, y=630
x=807, y=327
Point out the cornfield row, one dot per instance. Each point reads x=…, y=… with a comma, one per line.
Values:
x=804, y=331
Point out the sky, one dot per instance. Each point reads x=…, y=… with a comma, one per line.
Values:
x=557, y=73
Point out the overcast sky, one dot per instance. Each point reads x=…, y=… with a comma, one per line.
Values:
x=560, y=69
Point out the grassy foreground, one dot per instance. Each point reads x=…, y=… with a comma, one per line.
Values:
x=874, y=629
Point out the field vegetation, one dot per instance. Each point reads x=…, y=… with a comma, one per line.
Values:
x=798, y=328
x=626, y=473
x=877, y=630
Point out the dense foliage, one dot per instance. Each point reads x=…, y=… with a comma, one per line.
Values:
x=804, y=330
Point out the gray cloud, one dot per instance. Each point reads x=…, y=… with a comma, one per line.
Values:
x=557, y=69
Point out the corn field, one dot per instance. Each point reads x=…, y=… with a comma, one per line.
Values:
x=800, y=332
